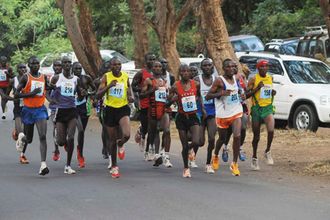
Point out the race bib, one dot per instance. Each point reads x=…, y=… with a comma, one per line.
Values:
x=117, y=90
x=233, y=99
x=37, y=84
x=189, y=103
x=3, y=75
x=206, y=102
x=67, y=89
x=160, y=94
x=266, y=92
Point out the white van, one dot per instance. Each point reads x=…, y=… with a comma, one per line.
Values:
x=242, y=43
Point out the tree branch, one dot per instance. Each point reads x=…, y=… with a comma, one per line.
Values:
x=183, y=12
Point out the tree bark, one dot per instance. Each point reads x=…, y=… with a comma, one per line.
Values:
x=166, y=24
x=215, y=33
x=78, y=21
x=140, y=31
x=325, y=8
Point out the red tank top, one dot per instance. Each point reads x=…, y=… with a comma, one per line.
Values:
x=32, y=83
x=4, y=78
x=144, y=103
x=157, y=100
x=187, y=99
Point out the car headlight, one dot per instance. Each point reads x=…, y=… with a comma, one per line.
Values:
x=324, y=100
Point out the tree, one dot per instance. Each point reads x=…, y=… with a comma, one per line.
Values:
x=78, y=20
x=140, y=31
x=325, y=8
x=215, y=33
x=166, y=22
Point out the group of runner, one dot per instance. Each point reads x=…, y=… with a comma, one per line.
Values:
x=204, y=102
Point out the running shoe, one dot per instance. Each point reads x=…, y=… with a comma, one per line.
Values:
x=121, y=153
x=3, y=116
x=43, y=169
x=158, y=160
x=115, y=172
x=186, y=173
x=209, y=169
x=215, y=162
x=146, y=156
x=167, y=162
x=81, y=160
x=242, y=155
x=255, y=164
x=23, y=160
x=69, y=170
x=269, y=158
x=56, y=155
x=234, y=169
x=19, y=142
x=14, y=135
x=193, y=164
x=225, y=155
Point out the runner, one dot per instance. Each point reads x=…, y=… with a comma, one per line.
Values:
x=65, y=88
x=116, y=88
x=6, y=73
x=187, y=91
x=84, y=108
x=194, y=71
x=260, y=87
x=226, y=94
x=18, y=105
x=137, y=84
x=208, y=121
x=156, y=89
x=245, y=119
x=32, y=88
x=57, y=67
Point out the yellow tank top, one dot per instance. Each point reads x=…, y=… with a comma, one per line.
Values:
x=116, y=96
x=264, y=95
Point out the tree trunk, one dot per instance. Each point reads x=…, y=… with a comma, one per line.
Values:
x=325, y=8
x=215, y=33
x=78, y=21
x=140, y=31
x=166, y=24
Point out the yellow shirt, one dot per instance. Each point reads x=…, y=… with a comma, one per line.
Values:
x=264, y=95
x=116, y=96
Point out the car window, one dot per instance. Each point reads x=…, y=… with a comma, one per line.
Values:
x=327, y=47
x=302, y=49
x=307, y=72
x=274, y=65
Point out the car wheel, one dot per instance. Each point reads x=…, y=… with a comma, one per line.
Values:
x=305, y=118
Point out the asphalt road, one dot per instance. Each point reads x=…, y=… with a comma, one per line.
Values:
x=142, y=192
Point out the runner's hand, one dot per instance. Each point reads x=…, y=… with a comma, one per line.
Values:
x=113, y=83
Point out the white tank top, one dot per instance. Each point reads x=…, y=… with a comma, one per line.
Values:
x=168, y=79
x=15, y=82
x=205, y=89
x=67, y=86
x=228, y=106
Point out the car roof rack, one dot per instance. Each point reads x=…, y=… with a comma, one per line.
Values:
x=316, y=30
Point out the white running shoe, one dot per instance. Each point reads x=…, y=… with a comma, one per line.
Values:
x=43, y=169
x=209, y=169
x=19, y=142
x=69, y=170
x=255, y=164
x=167, y=162
x=269, y=158
x=146, y=156
x=193, y=164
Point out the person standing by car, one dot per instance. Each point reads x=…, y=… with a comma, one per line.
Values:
x=260, y=87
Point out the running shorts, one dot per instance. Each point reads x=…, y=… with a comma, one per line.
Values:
x=226, y=122
x=259, y=113
x=112, y=115
x=64, y=115
x=32, y=115
x=185, y=121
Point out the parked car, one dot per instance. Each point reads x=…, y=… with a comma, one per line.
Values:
x=302, y=84
x=282, y=46
x=196, y=61
x=315, y=38
x=243, y=43
x=46, y=64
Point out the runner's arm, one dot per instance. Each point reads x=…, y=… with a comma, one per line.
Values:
x=136, y=82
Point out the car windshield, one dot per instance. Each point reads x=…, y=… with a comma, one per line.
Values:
x=248, y=44
x=304, y=72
